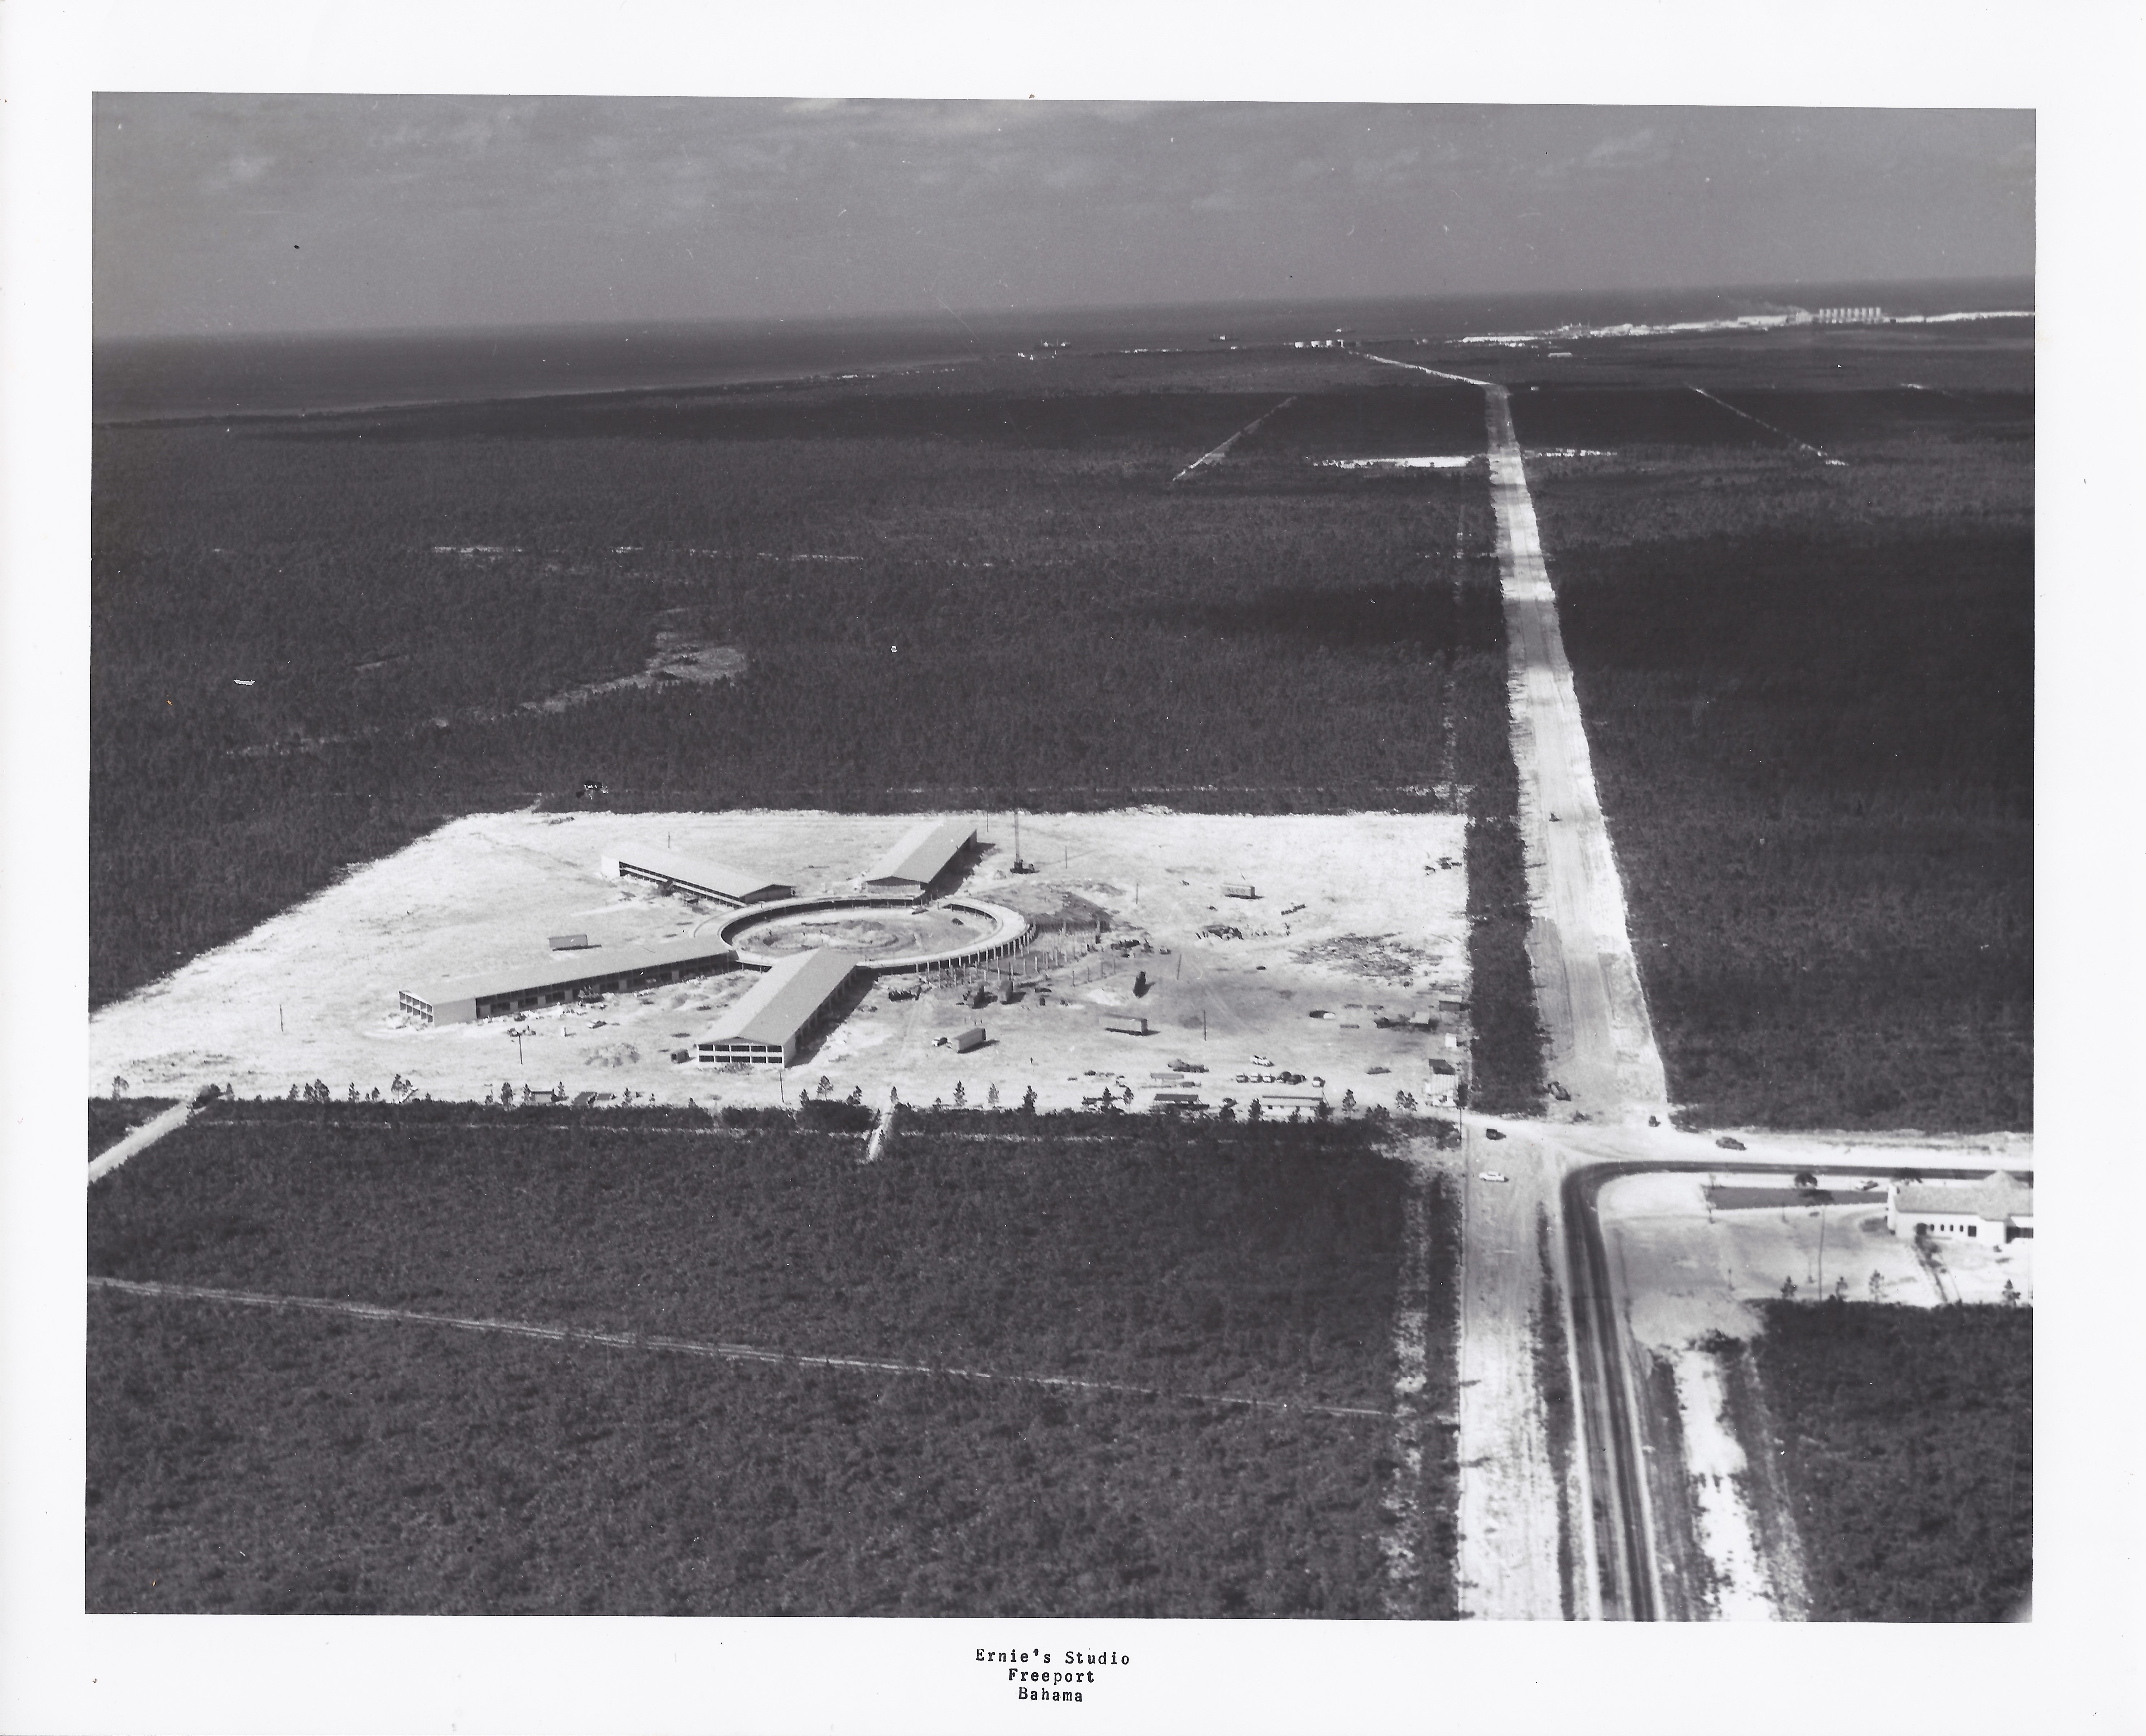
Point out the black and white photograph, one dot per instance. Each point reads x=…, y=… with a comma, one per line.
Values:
x=1103, y=879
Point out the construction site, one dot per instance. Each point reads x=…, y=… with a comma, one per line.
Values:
x=1316, y=964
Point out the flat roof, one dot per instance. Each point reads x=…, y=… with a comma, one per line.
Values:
x=925, y=850
x=553, y=972
x=782, y=1002
x=722, y=878
x=1995, y=1197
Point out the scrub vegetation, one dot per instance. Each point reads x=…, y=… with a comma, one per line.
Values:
x=362, y=1465
x=1908, y=1442
x=1810, y=696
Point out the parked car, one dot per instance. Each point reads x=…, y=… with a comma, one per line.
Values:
x=1729, y=1145
x=1495, y=1175
x=1492, y=1133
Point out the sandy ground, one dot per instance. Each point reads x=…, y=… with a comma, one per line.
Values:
x=1507, y=1496
x=311, y=993
x=1714, y=1469
x=1399, y=1545
x=1693, y=1271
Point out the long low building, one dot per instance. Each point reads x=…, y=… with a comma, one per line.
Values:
x=925, y=853
x=789, y=1006
x=717, y=880
x=599, y=970
x=1998, y=1208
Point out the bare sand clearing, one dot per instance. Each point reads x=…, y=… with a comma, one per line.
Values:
x=311, y=993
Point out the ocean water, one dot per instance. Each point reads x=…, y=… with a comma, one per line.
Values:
x=156, y=379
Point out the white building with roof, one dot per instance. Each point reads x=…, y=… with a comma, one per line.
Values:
x=789, y=1006
x=720, y=881
x=924, y=853
x=555, y=980
x=1997, y=1209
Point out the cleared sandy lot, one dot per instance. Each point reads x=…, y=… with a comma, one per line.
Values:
x=1373, y=925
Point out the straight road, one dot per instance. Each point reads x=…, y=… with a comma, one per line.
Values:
x=143, y=1137
x=1222, y=450
x=1601, y=1044
x=1601, y=1048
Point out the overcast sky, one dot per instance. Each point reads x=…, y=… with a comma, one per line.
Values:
x=253, y=214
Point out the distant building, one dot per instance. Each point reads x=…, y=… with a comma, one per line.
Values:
x=597, y=970
x=919, y=862
x=1998, y=1208
x=718, y=881
x=797, y=1000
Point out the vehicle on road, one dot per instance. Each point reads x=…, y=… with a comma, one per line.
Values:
x=1728, y=1143
x=1492, y=1133
x=1495, y=1175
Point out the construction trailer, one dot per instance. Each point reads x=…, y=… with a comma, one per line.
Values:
x=792, y=1005
x=1128, y=1024
x=969, y=1040
x=719, y=882
x=568, y=943
x=921, y=861
x=615, y=969
x=1240, y=888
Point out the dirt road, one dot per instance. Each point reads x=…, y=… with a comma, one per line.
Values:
x=1601, y=1044
x=1222, y=450
x=1508, y=1495
x=143, y=1137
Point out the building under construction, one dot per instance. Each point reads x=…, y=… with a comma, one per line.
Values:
x=719, y=882
x=921, y=860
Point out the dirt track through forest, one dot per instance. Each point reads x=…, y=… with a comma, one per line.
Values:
x=1801, y=446
x=1222, y=450
x=143, y=1137
x=689, y=1347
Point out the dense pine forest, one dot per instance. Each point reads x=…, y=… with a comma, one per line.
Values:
x=1908, y=1443
x=939, y=595
x=421, y=1469
x=1809, y=690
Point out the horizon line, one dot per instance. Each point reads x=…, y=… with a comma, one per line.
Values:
x=941, y=315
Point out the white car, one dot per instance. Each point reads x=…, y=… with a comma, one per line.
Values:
x=1495, y=1175
x=1262, y=1060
